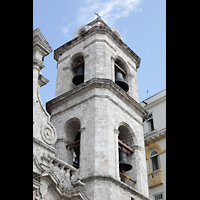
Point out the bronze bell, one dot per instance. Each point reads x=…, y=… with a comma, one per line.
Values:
x=79, y=77
x=120, y=81
x=123, y=162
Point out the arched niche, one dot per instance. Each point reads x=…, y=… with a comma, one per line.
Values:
x=72, y=138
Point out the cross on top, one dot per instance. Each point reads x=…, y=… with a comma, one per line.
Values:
x=97, y=14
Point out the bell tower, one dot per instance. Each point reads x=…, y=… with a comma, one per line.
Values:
x=97, y=116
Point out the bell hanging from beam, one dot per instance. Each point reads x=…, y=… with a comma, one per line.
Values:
x=120, y=81
x=123, y=162
x=79, y=77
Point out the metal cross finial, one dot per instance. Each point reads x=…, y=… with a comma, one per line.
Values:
x=97, y=14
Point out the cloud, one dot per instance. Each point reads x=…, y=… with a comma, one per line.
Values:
x=65, y=29
x=109, y=10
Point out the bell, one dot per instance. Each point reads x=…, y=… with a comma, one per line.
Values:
x=79, y=77
x=123, y=162
x=120, y=81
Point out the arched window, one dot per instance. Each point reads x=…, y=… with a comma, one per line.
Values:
x=154, y=160
x=78, y=69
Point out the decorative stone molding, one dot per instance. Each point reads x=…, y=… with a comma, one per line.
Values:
x=61, y=169
x=42, y=80
x=40, y=143
x=48, y=134
x=154, y=135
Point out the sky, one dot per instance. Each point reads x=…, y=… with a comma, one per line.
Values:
x=141, y=23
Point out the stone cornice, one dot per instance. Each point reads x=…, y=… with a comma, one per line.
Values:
x=101, y=30
x=117, y=182
x=99, y=83
x=154, y=135
x=40, y=41
x=42, y=80
x=38, y=63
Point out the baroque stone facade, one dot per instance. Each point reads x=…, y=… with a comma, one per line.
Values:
x=76, y=153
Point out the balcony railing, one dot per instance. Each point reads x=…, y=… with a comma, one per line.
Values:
x=126, y=180
x=155, y=178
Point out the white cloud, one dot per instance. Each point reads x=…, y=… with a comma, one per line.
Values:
x=65, y=29
x=109, y=10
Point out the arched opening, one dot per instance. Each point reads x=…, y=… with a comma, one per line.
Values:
x=120, y=74
x=125, y=136
x=78, y=65
x=127, y=157
x=72, y=132
x=76, y=155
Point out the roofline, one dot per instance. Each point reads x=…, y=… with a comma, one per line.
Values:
x=93, y=30
x=153, y=95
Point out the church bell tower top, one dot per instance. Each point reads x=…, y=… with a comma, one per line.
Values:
x=97, y=25
x=96, y=51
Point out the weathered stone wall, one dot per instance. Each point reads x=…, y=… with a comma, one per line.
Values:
x=99, y=50
x=101, y=107
x=100, y=110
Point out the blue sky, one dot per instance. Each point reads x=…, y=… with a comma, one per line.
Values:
x=142, y=24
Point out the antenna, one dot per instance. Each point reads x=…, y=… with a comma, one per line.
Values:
x=147, y=93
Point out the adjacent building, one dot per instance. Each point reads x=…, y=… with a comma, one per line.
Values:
x=155, y=144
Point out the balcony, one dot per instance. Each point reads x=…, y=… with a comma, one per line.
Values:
x=155, y=178
x=130, y=182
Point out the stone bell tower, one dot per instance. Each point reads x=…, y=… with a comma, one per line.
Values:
x=96, y=113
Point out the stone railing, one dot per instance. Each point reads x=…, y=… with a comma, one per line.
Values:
x=62, y=170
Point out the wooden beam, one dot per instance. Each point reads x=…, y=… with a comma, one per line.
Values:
x=73, y=143
x=126, y=146
x=126, y=151
x=120, y=69
x=73, y=67
x=74, y=146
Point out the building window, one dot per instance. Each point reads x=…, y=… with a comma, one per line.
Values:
x=158, y=197
x=154, y=160
x=149, y=124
